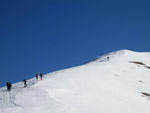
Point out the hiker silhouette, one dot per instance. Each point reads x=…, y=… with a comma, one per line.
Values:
x=8, y=84
x=36, y=76
x=25, y=83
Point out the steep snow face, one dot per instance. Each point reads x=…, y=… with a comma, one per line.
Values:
x=118, y=82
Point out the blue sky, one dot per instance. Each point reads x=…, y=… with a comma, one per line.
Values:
x=48, y=35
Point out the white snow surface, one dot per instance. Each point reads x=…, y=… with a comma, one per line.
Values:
x=113, y=85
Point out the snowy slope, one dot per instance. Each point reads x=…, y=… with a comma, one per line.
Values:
x=100, y=86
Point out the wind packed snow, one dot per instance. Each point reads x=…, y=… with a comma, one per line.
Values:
x=120, y=84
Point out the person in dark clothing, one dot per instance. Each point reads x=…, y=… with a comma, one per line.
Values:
x=41, y=75
x=107, y=58
x=36, y=76
x=8, y=84
x=25, y=83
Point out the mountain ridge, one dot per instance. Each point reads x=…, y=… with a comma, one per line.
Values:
x=120, y=84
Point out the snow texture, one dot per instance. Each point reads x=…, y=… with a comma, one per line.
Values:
x=118, y=84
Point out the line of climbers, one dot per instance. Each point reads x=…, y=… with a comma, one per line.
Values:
x=41, y=76
x=9, y=85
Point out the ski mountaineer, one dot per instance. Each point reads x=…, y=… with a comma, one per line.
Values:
x=25, y=83
x=8, y=84
x=108, y=58
x=36, y=76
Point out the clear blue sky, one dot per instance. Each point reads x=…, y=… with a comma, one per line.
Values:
x=48, y=35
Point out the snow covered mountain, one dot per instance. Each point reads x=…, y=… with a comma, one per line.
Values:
x=118, y=82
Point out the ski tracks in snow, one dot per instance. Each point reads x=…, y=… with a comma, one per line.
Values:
x=19, y=110
x=7, y=98
x=7, y=101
